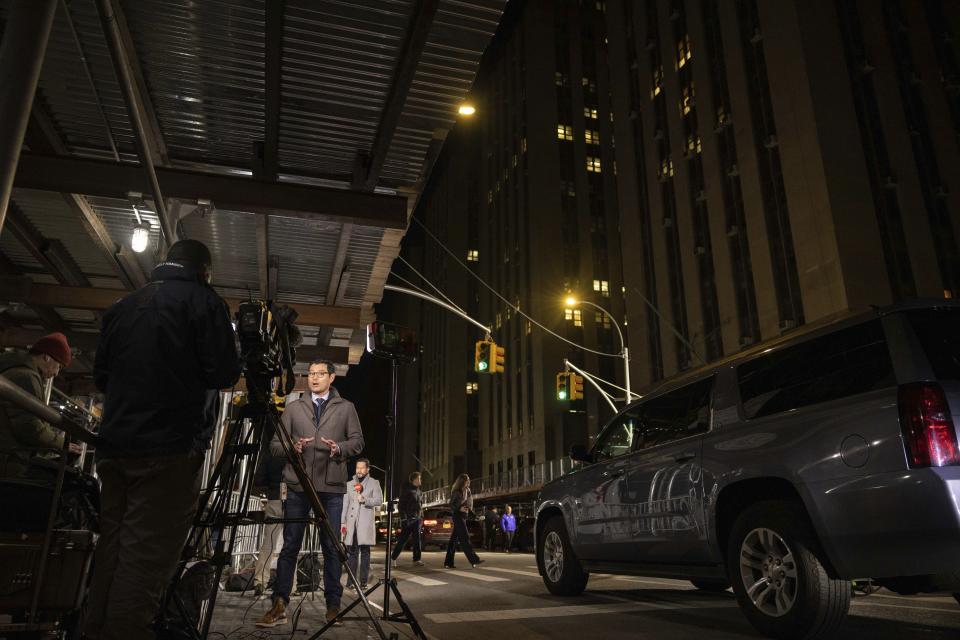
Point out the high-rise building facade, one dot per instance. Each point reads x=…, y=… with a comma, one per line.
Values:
x=713, y=173
x=779, y=163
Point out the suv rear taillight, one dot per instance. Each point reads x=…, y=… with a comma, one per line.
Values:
x=927, y=426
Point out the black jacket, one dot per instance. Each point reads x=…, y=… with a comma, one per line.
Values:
x=411, y=502
x=164, y=352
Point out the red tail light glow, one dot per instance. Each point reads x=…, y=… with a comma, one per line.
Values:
x=430, y=523
x=927, y=426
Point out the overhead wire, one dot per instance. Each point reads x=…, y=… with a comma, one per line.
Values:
x=507, y=302
x=432, y=286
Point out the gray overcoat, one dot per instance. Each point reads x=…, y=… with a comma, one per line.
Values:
x=360, y=517
x=339, y=422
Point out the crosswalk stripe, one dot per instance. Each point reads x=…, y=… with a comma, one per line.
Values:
x=421, y=580
x=532, y=574
x=575, y=610
x=477, y=576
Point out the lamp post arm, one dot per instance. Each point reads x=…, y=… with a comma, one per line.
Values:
x=612, y=320
x=439, y=302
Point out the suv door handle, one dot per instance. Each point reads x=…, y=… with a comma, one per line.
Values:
x=611, y=474
x=685, y=457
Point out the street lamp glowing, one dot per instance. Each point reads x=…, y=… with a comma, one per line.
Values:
x=467, y=109
x=570, y=301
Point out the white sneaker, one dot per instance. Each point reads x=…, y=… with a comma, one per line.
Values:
x=396, y=565
x=418, y=563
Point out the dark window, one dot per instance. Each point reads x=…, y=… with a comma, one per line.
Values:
x=937, y=331
x=531, y=458
x=618, y=437
x=679, y=414
x=844, y=363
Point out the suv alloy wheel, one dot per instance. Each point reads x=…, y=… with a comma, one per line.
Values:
x=562, y=573
x=778, y=578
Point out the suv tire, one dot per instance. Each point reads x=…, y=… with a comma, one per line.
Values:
x=780, y=582
x=562, y=573
x=956, y=597
x=713, y=586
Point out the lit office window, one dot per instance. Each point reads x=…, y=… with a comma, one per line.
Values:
x=602, y=287
x=590, y=112
x=564, y=132
x=473, y=255
x=683, y=51
x=472, y=388
x=593, y=164
x=591, y=137
x=573, y=315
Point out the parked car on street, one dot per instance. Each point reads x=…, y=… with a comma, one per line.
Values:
x=438, y=526
x=382, y=528
x=786, y=471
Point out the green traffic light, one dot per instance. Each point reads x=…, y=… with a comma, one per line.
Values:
x=482, y=366
x=562, y=395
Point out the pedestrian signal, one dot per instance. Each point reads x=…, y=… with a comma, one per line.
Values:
x=499, y=357
x=576, y=387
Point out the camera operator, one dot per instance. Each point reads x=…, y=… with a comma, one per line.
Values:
x=326, y=431
x=24, y=436
x=165, y=350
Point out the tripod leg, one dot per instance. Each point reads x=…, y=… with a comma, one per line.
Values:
x=408, y=614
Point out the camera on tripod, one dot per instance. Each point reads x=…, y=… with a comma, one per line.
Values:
x=268, y=344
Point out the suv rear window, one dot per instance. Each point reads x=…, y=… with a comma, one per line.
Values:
x=938, y=331
x=841, y=364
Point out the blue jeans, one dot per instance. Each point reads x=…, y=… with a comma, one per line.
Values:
x=297, y=507
x=410, y=528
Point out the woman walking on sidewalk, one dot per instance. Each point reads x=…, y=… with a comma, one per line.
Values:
x=461, y=504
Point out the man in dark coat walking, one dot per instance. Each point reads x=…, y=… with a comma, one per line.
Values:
x=410, y=506
x=164, y=352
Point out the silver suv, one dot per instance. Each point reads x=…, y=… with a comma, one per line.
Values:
x=785, y=471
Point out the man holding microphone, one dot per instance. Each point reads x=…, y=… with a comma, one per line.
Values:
x=358, y=524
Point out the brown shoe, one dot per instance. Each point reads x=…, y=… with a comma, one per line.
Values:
x=276, y=615
x=333, y=612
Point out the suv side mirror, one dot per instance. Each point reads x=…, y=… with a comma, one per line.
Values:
x=580, y=453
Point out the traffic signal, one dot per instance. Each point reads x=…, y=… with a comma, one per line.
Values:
x=563, y=386
x=499, y=356
x=576, y=387
x=482, y=359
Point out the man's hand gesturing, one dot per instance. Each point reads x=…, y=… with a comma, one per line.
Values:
x=298, y=445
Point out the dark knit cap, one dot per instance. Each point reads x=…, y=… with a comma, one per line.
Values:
x=54, y=345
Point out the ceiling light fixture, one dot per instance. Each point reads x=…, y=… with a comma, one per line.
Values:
x=467, y=109
x=141, y=237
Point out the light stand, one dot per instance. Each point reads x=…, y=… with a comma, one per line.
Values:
x=388, y=582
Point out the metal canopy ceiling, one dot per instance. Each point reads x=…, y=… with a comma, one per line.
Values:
x=326, y=109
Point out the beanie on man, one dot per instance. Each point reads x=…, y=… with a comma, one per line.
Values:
x=54, y=345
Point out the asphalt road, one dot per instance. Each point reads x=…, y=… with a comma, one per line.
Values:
x=505, y=597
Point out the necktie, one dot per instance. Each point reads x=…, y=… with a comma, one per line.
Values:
x=318, y=408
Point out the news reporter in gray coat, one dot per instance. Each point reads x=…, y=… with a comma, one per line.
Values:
x=358, y=524
x=326, y=431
